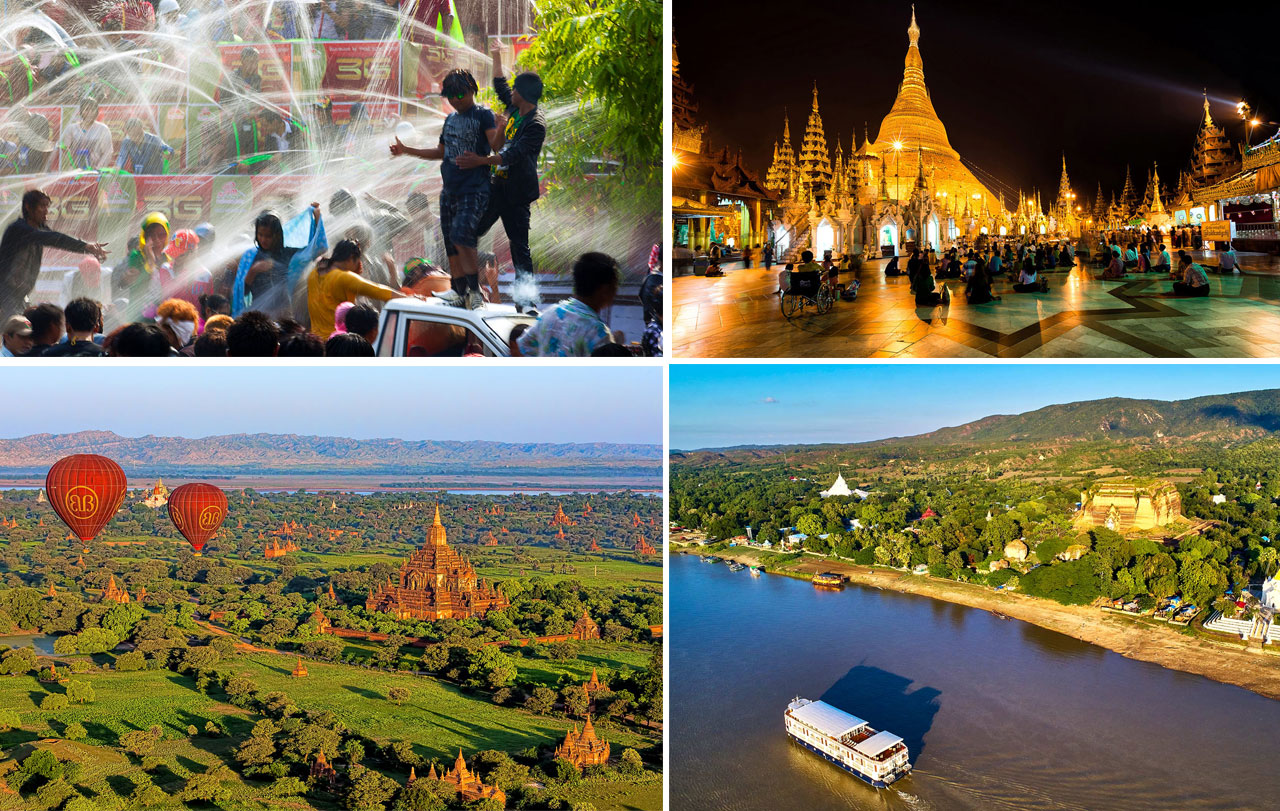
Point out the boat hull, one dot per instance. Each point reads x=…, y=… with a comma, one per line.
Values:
x=871, y=781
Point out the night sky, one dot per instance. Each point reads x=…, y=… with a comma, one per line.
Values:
x=1015, y=84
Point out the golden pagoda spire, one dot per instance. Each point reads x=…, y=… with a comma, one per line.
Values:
x=436, y=535
x=913, y=32
x=1208, y=119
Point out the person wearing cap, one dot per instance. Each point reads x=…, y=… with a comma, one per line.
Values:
x=22, y=250
x=16, y=340
x=464, y=195
x=514, y=185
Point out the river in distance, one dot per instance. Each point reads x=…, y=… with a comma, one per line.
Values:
x=996, y=713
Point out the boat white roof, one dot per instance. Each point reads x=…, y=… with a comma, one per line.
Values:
x=827, y=719
x=877, y=743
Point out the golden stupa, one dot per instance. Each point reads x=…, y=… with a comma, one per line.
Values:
x=919, y=136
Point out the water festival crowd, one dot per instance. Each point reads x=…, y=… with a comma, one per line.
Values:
x=283, y=289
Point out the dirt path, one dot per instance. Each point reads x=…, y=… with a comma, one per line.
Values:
x=240, y=643
x=1158, y=643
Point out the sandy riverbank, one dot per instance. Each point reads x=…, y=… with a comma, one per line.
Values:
x=1155, y=642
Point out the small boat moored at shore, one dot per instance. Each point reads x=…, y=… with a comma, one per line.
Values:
x=736, y=566
x=756, y=571
x=879, y=758
x=828, y=579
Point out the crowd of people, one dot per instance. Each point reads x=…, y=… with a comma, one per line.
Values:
x=170, y=295
x=1023, y=262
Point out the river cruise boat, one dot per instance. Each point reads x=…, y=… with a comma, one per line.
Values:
x=879, y=758
x=828, y=579
x=736, y=566
x=756, y=571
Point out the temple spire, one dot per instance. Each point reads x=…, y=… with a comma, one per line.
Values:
x=914, y=31
x=1208, y=119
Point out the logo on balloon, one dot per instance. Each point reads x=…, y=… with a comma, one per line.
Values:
x=210, y=518
x=81, y=502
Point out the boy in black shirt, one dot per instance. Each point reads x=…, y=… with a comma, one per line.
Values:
x=464, y=196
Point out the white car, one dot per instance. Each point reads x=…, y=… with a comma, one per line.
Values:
x=433, y=328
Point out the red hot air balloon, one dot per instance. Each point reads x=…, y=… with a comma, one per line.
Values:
x=197, y=510
x=85, y=490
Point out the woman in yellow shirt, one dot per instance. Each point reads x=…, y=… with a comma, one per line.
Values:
x=337, y=279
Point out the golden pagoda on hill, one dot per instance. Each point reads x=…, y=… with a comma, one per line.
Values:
x=114, y=593
x=436, y=582
x=468, y=784
x=583, y=748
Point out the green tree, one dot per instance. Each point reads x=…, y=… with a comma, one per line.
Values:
x=418, y=796
x=607, y=56
x=53, y=702
x=540, y=701
x=146, y=794
x=575, y=700
x=9, y=719
x=74, y=732
x=398, y=695
x=630, y=762
x=81, y=692
x=138, y=742
x=369, y=790
x=288, y=787
x=133, y=660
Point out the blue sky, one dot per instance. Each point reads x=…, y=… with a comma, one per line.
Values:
x=737, y=404
x=496, y=403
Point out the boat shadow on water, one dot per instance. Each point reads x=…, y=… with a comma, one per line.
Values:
x=886, y=701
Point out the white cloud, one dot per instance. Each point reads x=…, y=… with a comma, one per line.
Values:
x=769, y=400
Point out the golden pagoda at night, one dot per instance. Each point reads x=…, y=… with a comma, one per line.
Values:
x=914, y=126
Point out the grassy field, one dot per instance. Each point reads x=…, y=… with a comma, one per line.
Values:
x=438, y=719
x=590, y=570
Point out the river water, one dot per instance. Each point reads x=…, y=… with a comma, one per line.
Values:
x=996, y=713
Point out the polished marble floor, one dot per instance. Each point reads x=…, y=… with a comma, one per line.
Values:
x=738, y=315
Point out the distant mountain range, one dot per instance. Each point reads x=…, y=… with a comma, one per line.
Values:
x=1225, y=417
x=291, y=453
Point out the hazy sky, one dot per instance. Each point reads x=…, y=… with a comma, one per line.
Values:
x=497, y=403
x=721, y=406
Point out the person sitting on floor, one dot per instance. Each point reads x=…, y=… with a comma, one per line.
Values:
x=1027, y=279
x=1115, y=270
x=978, y=289
x=923, y=287
x=1194, y=281
x=892, y=268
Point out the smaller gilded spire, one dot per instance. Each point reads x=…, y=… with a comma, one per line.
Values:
x=914, y=31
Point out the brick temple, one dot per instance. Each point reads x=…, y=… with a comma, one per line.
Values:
x=583, y=748
x=436, y=582
x=467, y=783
